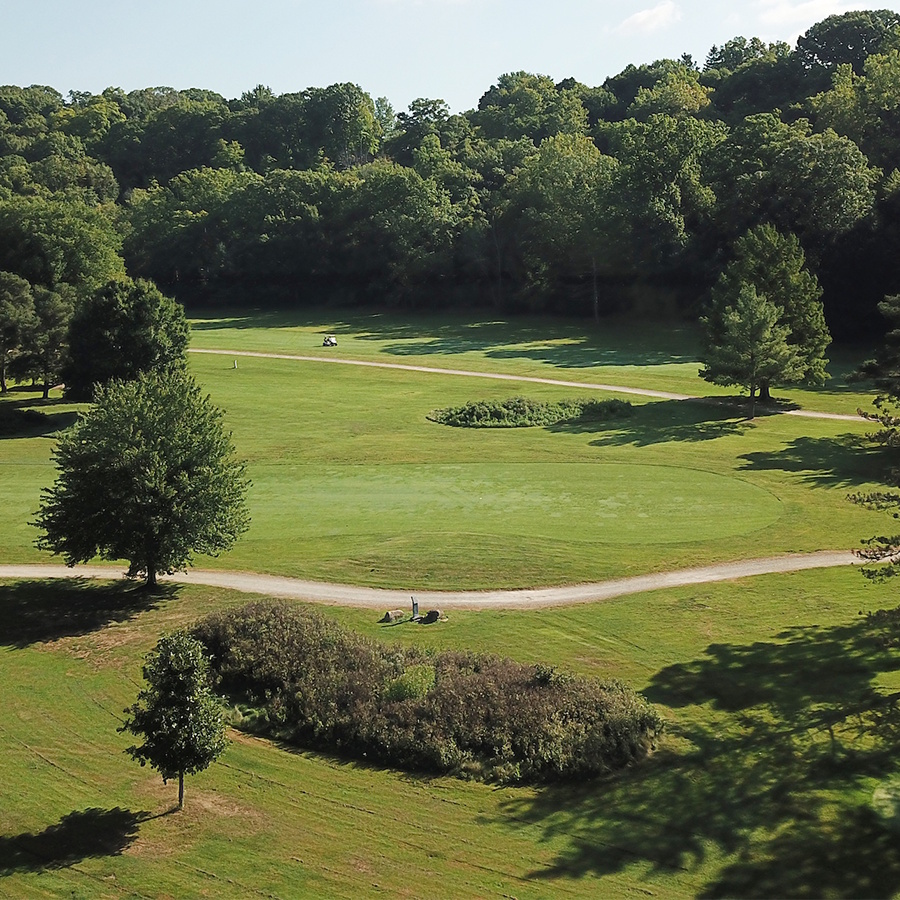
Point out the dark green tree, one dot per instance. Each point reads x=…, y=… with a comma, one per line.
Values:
x=16, y=317
x=748, y=347
x=178, y=716
x=126, y=328
x=774, y=264
x=46, y=339
x=147, y=475
x=884, y=371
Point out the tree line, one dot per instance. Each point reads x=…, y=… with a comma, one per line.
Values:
x=630, y=196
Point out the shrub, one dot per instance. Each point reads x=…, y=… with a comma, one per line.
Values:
x=520, y=412
x=301, y=677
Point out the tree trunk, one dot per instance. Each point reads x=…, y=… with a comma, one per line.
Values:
x=752, y=401
x=3, y=387
x=151, y=574
x=46, y=388
x=764, y=395
x=181, y=790
x=594, y=284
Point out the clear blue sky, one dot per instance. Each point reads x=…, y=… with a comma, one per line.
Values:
x=401, y=49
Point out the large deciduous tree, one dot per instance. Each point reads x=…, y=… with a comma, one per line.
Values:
x=126, y=328
x=177, y=714
x=147, y=475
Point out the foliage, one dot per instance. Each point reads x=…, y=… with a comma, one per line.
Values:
x=147, y=475
x=323, y=686
x=748, y=347
x=774, y=265
x=124, y=329
x=522, y=412
x=177, y=714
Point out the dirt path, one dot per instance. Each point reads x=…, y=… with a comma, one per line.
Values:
x=376, y=598
x=497, y=376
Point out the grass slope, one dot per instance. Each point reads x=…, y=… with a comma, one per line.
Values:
x=747, y=797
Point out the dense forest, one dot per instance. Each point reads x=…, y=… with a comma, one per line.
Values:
x=628, y=197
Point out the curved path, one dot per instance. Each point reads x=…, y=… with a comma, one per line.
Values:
x=377, y=598
x=497, y=376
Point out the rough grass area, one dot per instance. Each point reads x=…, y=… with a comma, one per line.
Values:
x=522, y=412
x=316, y=684
x=762, y=785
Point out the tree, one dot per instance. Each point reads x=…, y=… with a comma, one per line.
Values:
x=45, y=340
x=177, y=714
x=126, y=328
x=884, y=371
x=16, y=315
x=147, y=475
x=774, y=264
x=849, y=37
x=749, y=347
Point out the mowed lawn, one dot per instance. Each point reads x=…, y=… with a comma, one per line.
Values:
x=648, y=354
x=353, y=483
x=747, y=796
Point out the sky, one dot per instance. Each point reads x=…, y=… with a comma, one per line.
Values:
x=452, y=50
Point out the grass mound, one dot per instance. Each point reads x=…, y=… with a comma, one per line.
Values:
x=521, y=412
x=306, y=679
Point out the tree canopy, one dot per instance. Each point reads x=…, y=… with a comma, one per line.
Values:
x=177, y=714
x=147, y=475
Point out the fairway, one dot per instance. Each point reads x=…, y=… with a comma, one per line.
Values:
x=353, y=483
x=616, y=503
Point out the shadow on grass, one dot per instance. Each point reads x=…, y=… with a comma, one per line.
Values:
x=26, y=423
x=767, y=796
x=662, y=422
x=39, y=611
x=847, y=460
x=81, y=835
x=581, y=345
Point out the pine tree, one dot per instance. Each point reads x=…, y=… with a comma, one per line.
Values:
x=750, y=348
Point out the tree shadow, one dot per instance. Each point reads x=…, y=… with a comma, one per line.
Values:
x=847, y=460
x=19, y=422
x=40, y=611
x=766, y=769
x=79, y=835
x=580, y=345
x=662, y=422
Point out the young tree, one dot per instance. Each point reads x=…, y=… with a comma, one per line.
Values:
x=177, y=714
x=126, y=328
x=749, y=347
x=774, y=264
x=147, y=475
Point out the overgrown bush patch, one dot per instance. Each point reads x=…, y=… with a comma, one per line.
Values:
x=522, y=412
x=301, y=677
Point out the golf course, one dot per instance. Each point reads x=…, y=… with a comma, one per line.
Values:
x=768, y=780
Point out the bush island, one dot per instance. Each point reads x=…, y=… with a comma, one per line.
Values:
x=520, y=412
x=303, y=678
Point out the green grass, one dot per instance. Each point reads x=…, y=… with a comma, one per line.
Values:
x=352, y=482
x=651, y=355
x=746, y=797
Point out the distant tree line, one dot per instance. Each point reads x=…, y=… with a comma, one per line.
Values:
x=631, y=196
